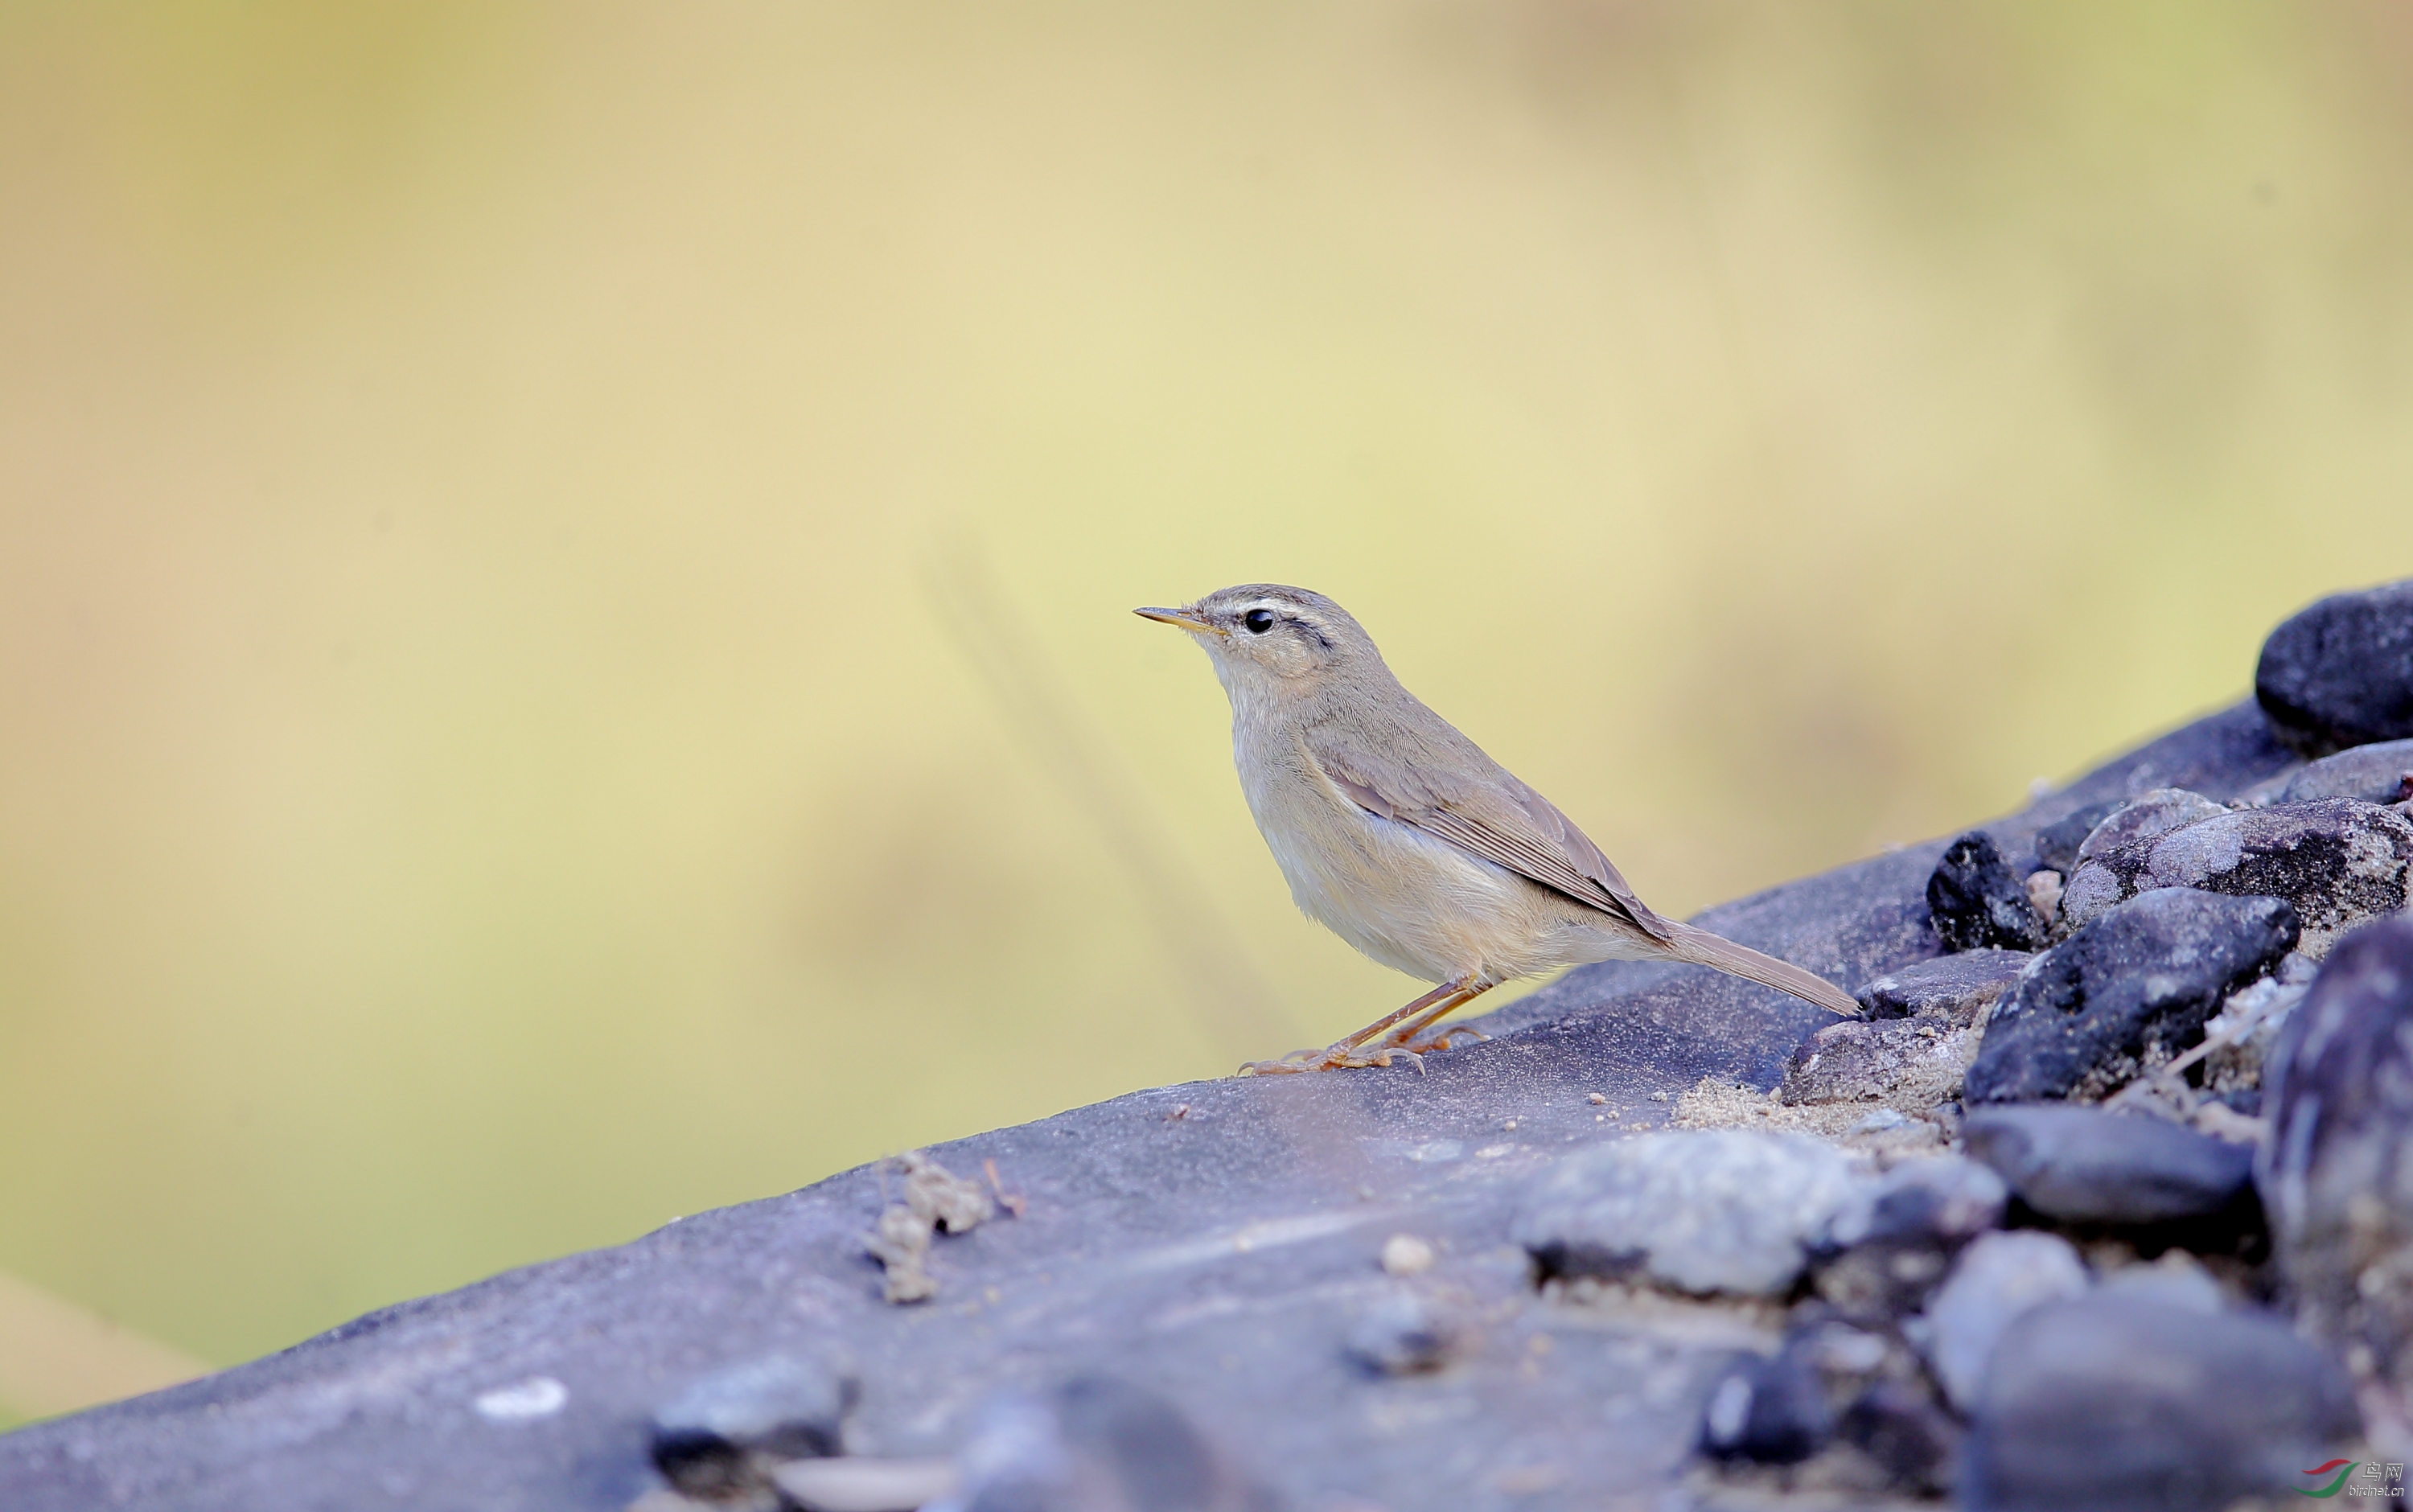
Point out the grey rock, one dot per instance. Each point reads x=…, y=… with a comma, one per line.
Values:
x=1096, y=1444
x=1702, y=1210
x=2142, y=818
x=1401, y=1333
x=1976, y=901
x=2377, y=773
x=2082, y=1164
x=1197, y=1257
x=1909, y=1064
x=1998, y=1279
x=1960, y=987
x=2131, y=988
x=721, y=1436
x=2338, y=861
x=2340, y=673
x=2111, y=1403
x=2336, y=1175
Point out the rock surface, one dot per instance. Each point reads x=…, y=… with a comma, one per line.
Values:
x=2112, y=1404
x=2337, y=1173
x=2340, y=673
x=2130, y=990
x=2084, y=1165
x=2337, y=861
x=1214, y=1262
x=2144, y=818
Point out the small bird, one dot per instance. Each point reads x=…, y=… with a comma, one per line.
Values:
x=1400, y=835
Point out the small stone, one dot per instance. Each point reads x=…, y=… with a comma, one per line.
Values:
x=720, y=1437
x=2127, y=991
x=2339, y=862
x=1910, y=1064
x=1706, y=1210
x=1095, y=1443
x=2056, y=844
x=2377, y=773
x=2044, y=892
x=1959, y=987
x=1403, y=1333
x=948, y=1202
x=2336, y=1174
x=2340, y=673
x=2118, y=1401
x=1772, y=1410
x=1977, y=902
x=2082, y=1164
x=1905, y=1432
x=2144, y=817
x=1999, y=1278
x=1404, y=1254
x=1596, y=1099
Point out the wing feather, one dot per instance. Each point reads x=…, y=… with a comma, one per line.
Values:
x=1500, y=821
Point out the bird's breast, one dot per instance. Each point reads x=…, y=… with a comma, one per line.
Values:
x=1412, y=901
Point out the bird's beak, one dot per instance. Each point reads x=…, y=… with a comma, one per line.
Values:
x=1176, y=616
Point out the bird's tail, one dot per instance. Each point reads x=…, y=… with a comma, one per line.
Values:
x=1702, y=948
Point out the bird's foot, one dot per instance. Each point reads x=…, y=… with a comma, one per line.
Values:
x=1341, y=1057
x=1436, y=1040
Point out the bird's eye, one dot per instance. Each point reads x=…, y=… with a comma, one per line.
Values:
x=1258, y=620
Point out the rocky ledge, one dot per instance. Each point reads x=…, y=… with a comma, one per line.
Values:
x=2107, y=1202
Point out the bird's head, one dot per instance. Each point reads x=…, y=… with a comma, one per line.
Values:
x=1267, y=640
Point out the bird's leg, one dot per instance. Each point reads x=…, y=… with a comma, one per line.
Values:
x=1410, y=1039
x=1345, y=1053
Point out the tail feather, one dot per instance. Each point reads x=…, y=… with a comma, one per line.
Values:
x=1702, y=948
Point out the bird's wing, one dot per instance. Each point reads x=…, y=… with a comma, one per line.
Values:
x=1500, y=821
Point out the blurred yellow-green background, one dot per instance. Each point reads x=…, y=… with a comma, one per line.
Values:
x=563, y=570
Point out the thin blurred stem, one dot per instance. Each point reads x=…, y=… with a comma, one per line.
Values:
x=1235, y=1004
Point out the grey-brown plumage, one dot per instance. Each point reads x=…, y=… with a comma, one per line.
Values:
x=1402, y=837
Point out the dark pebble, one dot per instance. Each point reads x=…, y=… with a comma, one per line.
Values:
x=2337, y=1170
x=2057, y=843
x=1772, y=1410
x=2084, y=1165
x=1976, y=901
x=2340, y=674
x=2133, y=985
x=2109, y=1404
